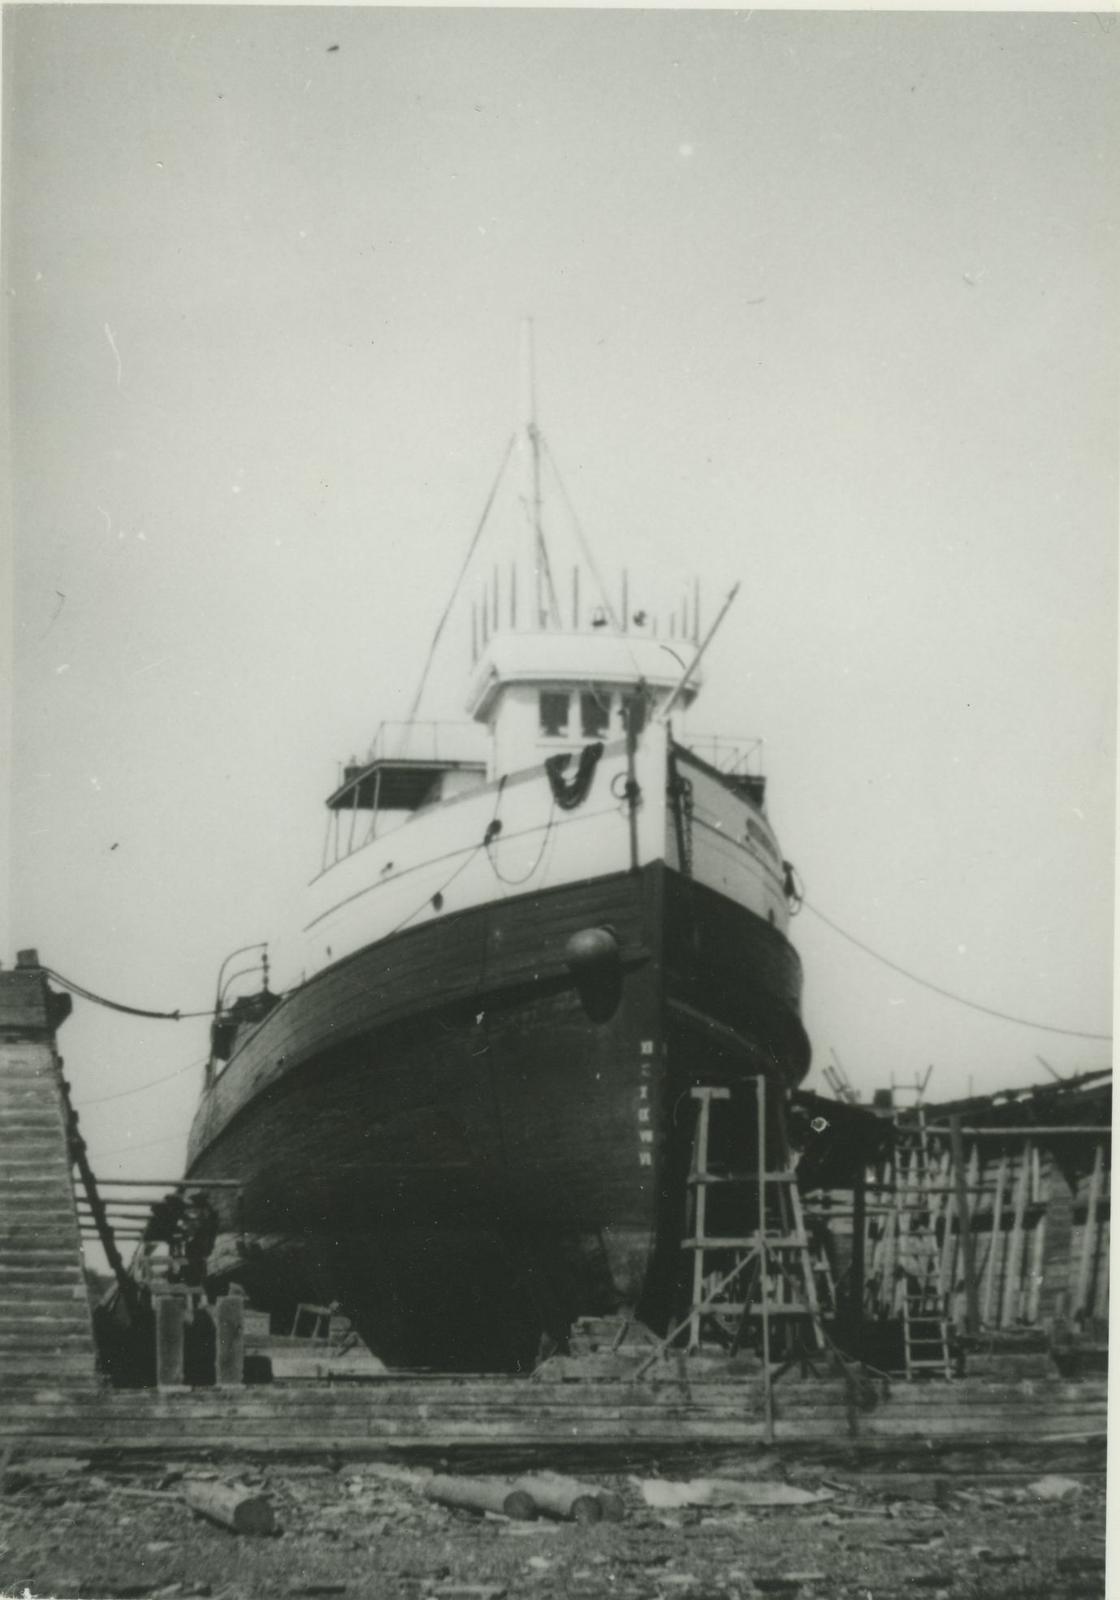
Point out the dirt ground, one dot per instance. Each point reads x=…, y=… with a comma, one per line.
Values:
x=368, y=1530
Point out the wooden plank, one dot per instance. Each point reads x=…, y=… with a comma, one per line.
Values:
x=964, y=1227
x=1027, y=1130
x=995, y=1247
x=761, y=1160
x=700, y=1204
x=994, y=1429
x=1099, y=1307
x=924, y=1446
x=229, y=1406
x=1038, y=1256
x=1088, y=1241
x=969, y=1392
x=1009, y=1313
x=60, y=1418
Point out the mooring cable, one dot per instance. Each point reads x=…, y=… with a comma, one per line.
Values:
x=948, y=994
x=118, y=1005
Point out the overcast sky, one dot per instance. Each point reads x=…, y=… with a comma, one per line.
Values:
x=823, y=302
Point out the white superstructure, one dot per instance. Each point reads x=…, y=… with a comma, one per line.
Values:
x=540, y=693
x=452, y=821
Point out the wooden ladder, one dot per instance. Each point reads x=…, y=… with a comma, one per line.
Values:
x=920, y=1187
x=763, y=1277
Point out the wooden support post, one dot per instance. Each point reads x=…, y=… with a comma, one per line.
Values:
x=1015, y=1243
x=858, y=1268
x=1088, y=1238
x=169, y=1302
x=886, y=1253
x=991, y=1276
x=700, y=1217
x=229, y=1321
x=1099, y=1305
x=948, y=1253
x=705, y=1096
x=763, y=1261
x=964, y=1226
x=1038, y=1256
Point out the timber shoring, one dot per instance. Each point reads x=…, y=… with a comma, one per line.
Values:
x=480, y=1417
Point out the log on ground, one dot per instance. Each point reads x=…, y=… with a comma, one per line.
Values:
x=562, y=1497
x=482, y=1494
x=231, y=1505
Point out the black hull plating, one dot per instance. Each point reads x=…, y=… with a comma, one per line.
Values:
x=466, y=1147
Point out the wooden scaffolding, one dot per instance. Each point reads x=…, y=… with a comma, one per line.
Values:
x=997, y=1228
x=757, y=1280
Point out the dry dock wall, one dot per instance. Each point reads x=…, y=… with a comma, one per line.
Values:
x=46, y=1332
x=489, y=1417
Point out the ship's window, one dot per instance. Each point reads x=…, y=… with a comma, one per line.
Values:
x=554, y=714
x=594, y=713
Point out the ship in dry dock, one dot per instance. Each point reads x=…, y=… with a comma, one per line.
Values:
x=468, y=1120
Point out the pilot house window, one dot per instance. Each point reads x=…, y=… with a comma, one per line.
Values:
x=554, y=714
x=594, y=713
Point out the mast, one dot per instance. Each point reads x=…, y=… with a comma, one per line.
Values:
x=547, y=605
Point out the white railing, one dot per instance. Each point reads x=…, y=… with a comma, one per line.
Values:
x=732, y=754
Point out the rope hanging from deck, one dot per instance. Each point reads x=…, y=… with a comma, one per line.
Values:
x=571, y=792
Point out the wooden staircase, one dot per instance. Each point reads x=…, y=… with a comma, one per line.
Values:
x=46, y=1329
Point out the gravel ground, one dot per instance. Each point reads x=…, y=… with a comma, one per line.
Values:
x=369, y=1531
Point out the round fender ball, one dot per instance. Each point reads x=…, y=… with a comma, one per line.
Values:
x=591, y=950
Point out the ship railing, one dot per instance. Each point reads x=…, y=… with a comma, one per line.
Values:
x=735, y=755
x=428, y=741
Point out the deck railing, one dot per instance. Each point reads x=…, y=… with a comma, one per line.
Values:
x=732, y=754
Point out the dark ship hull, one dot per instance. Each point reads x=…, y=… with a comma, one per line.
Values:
x=467, y=1144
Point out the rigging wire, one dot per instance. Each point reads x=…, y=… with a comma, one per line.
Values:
x=124, y=1094
x=466, y=861
x=441, y=624
x=948, y=994
x=542, y=565
x=429, y=899
x=582, y=537
x=127, y=1149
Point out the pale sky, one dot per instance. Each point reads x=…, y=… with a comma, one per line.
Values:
x=825, y=302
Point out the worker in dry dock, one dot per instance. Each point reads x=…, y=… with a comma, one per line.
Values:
x=165, y=1221
x=200, y=1230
